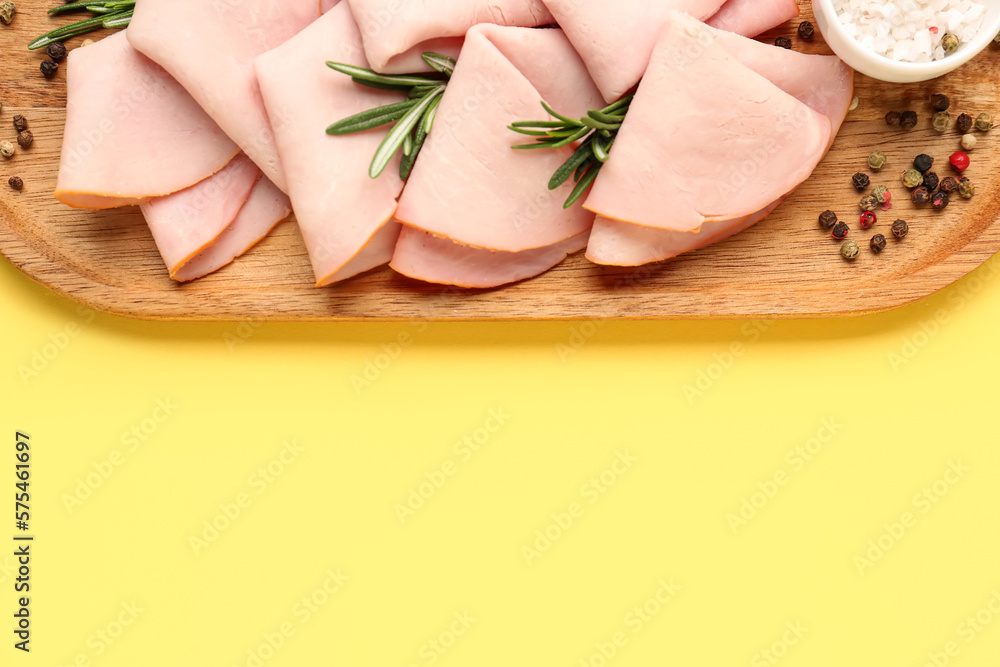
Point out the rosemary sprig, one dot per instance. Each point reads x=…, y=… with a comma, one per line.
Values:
x=413, y=117
x=107, y=14
x=597, y=132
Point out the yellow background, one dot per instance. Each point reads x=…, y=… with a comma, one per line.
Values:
x=886, y=403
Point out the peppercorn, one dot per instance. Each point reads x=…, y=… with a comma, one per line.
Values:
x=877, y=243
x=87, y=42
x=850, y=251
x=868, y=203
x=827, y=219
x=921, y=195
x=867, y=219
x=966, y=188
x=7, y=11
x=984, y=122
x=964, y=123
x=881, y=194
x=923, y=163
x=15, y=182
x=7, y=149
x=931, y=181
x=783, y=42
x=940, y=200
x=912, y=178
x=900, y=229
x=892, y=118
x=908, y=120
x=940, y=102
x=968, y=142
x=860, y=181
x=949, y=185
x=49, y=68
x=25, y=138
x=959, y=161
x=949, y=43
x=56, y=51
x=20, y=123
x=806, y=31
x=840, y=231
x=876, y=160
x=941, y=121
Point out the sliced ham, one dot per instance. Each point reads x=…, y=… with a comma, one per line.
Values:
x=468, y=184
x=392, y=28
x=438, y=260
x=187, y=222
x=132, y=132
x=209, y=47
x=706, y=138
x=752, y=17
x=265, y=208
x=616, y=39
x=339, y=207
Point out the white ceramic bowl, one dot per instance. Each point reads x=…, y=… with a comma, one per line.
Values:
x=886, y=69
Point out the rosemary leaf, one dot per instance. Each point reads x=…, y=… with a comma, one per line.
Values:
x=600, y=150
x=568, y=121
x=598, y=125
x=609, y=118
x=364, y=76
x=573, y=138
x=539, y=124
x=585, y=182
x=582, y=154
x=394, y=140
x=372, y=118
x=440, y=63
x=431, y=115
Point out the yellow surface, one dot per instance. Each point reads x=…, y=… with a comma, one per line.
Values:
x=700, y=507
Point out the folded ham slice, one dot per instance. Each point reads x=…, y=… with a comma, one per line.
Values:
x=209, y=47
x=437, y=260
x=706, y=138
x=468, y=184
x=132, y=132
x=752, y=17
x=616, y=39
x=394, y=28
x=339, y=207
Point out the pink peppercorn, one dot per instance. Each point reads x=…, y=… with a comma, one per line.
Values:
x=960, y=161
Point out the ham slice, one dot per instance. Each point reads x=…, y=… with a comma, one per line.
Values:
x=437, y=260
x=339, y=207
x=752, y=17
x=616, y=39
x=209, y=48
x=392, y=28
x=187, y=222
x=468, y=184
x=132, y=132
x=706, y=138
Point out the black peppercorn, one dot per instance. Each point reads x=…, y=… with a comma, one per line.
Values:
x=940, y=200
x=923, y=163
x=908, y=120
x=840, y=231
x=25, y=138
x=892, y=118
x=806, y=31
x=921, y=195
x=900, y=229
x=15, y=182
x=49, y=68
x=56, y=51
x=827, y=219
x=860, y=181
x=20, y=123
x=931, y=181
x=877, y=243
x=940, y=102
x=783, y=42
x=949, y=185
x=964, y=123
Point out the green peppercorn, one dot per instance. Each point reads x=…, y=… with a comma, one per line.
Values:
x=940, y=200
x=892, y=118
x=880, y=192
x=949, y=185
x=783, y=42
x=931, y=181
x=7, y=11
x=966, y=188
x=912, y=178
x=908, y=120
x=827, y=219
x=876, y=160
x=941, y=121
x=984, y=122
x=921, y=195
x=840, y=231
x=860, y=181
x=940, y=102
x=964, y=123
x=949, y=43
x=923, y=163
x=850, y=251
x=877, y=243
x=868, y=203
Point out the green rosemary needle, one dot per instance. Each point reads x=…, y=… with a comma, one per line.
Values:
x=413, y=117
x=596, y=131
x=107, y=14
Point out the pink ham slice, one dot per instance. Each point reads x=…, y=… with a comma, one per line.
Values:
x=393, y=28
x=617, y=51
x=469, y=185
x=187, y=222
x=706, y=138
x=752, y=17
x=437, y=260
x=265, y=208
x=339, y=207
x=132, y=132
x=209, y=47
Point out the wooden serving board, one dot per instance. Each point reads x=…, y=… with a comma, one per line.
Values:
x=786, y=266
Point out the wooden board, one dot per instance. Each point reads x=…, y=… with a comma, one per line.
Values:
x=786, y=266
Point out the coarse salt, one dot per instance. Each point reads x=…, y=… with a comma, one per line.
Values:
x=910, y=30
